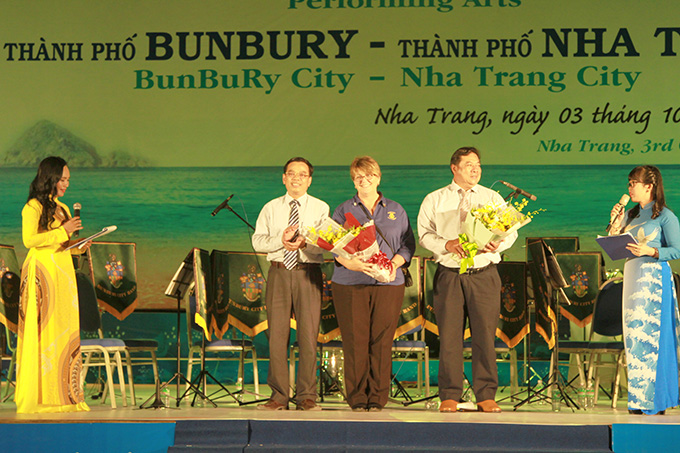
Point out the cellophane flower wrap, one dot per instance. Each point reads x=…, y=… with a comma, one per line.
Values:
x=353, y=240
x=494, y=222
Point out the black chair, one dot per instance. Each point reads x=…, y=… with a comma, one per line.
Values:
x=607, y=322
x=504, y=354
x=10, y=290
x=100, y=351
x=225, y=349
x=414, y=350
x=331, y=367
x=139, y=351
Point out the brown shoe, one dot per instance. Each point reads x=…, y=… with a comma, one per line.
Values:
x=272, y=405
x=308, y=405
x=488, y=406
x=448, y=406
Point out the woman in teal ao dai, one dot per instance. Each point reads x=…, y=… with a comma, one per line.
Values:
x=650, y=310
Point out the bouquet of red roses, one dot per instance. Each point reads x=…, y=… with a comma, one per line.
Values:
x=353, y=240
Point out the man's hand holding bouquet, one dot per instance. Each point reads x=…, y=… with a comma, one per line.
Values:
x=486, y=226
x=352, y=241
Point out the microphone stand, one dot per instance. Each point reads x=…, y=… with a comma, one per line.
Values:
x=241, y=403
x=226, y=205
x=514, y=194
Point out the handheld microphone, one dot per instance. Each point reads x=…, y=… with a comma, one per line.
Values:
x=76, y=213
x=622, y=205
x=222, y=205
x=519, y=191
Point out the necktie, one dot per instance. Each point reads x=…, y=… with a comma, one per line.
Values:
x=290, y=257
x=464, y=206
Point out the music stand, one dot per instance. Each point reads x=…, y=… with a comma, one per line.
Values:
x=201, y=381
x=550, y=277
x=178, y=287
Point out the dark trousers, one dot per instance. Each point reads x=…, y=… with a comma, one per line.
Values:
x=478, y=295
x=297, y=291
x=367, y=316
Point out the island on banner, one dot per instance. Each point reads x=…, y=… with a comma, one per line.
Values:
x=353, y=240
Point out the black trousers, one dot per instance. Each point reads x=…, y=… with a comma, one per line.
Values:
x=480, y=296
x=367, y=316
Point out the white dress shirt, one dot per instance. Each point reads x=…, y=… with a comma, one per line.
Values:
x=273, y=220
x=439, y=222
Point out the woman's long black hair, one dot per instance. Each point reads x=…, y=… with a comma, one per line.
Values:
x=44, y=188
x=648, y=174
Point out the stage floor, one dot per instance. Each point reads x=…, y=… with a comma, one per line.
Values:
x=336, y=410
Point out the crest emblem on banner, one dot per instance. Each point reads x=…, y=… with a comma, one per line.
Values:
x=509, y=295
x=326, y=294
x=579, y=281
x=252, y=284
x=115, y=271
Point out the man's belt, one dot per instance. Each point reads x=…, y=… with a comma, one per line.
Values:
x=471, y=270
x=298, y=266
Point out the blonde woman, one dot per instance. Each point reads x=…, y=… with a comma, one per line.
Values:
x=368, y=310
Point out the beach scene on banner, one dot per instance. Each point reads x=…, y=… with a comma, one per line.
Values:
x=166, y=211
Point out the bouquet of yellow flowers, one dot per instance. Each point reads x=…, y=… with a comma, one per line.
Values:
x=495, y=221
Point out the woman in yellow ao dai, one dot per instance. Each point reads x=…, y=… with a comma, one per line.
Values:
x=49, y=363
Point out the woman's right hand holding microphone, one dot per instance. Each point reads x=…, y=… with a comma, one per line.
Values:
x=72, y=225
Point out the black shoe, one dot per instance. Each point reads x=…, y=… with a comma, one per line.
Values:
x=359, y=408
x=634, y=411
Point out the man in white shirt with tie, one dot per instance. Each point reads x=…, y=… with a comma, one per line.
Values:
x=477, y=292
x=294, y=284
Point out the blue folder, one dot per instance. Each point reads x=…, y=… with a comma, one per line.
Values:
x=615, y=246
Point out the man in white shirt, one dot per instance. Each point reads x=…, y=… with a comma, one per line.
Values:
x=294, y=283
x=476, y=292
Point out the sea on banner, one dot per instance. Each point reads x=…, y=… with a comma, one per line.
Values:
x=353, y=240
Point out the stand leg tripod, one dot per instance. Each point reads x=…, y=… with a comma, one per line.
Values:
x=529, y=373
x=201, y=382
x=327, y=382
x=556, y=382
x=158, y=402
x=242, y=389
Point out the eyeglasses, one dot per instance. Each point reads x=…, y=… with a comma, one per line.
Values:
x=369, y=178
x=293, y=175
x=632, y=183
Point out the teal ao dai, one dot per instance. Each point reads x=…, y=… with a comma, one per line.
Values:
x=650, y=314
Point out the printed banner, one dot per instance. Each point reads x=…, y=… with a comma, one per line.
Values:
x=513, y=325
x=583, y=271
x=113, y=268
x=10, y=289
x=219, y=307
x=203, y=291
x=411, y=316
x=328, y=327
x=247, y=285
x=546, y=319
x=584, y=88
x=582, y=82
x=430, y=320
